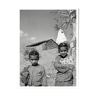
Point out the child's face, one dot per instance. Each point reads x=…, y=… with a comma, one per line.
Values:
x=34, y=60
x=63, y=51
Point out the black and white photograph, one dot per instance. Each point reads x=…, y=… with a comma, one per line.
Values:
x=48, y=47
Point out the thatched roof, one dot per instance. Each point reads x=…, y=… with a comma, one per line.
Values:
x=47, y=44
x=36, y=44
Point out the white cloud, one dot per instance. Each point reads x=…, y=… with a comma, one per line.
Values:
x=23, y=34
x=31, y=38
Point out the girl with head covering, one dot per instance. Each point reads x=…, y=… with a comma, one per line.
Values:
x=64, y=66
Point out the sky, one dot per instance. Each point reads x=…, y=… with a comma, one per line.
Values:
x=38, y=25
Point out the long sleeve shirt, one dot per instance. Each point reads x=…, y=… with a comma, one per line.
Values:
x=37, y=75
x=64, y=68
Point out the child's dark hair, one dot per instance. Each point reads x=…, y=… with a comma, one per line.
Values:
x=34, y=53
x=64, y=44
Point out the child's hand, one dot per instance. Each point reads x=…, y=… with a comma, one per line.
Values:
x=24, y=73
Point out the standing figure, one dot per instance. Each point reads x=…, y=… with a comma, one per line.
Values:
x=64, y=66
x=34, y=74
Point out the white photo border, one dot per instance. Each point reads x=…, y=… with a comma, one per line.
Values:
x=18, y=87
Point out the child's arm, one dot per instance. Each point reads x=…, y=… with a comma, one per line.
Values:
x=24, y=75
x=57, y=62
x=62, y=67
x=25, y=71
x=44, y=79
